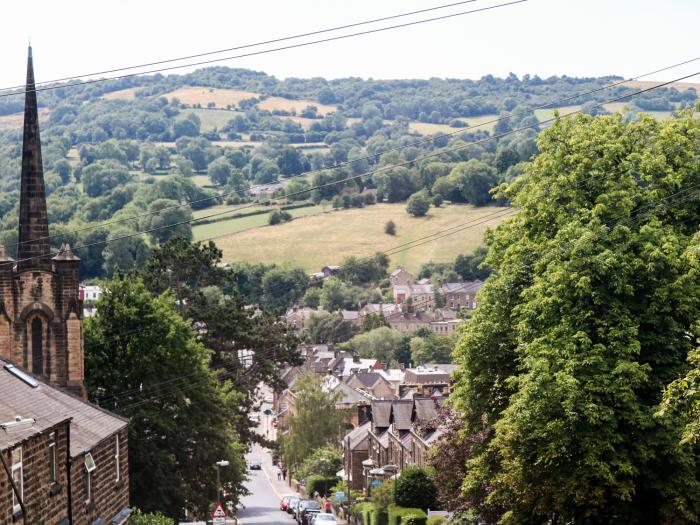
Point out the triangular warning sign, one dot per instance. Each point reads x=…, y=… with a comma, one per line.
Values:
x=219, y=512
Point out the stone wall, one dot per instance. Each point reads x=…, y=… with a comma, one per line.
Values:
x=109, y=496
x=46, y=502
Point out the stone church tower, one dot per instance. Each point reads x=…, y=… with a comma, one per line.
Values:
x=41, y=327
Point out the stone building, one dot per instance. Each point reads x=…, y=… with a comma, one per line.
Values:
x=40, y=314
x=42, y=379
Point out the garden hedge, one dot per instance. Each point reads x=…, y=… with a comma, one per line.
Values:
x=398, y=514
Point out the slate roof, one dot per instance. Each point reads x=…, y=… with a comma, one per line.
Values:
x=348, y=395
x=49, y=405
x=368, y=379
x=401, y=412
x=426, y=409
x=381, y=413
x=421, y=289
x=358, y=437
x=466, y=287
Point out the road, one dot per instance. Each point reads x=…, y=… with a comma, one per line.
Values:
x=262, y=505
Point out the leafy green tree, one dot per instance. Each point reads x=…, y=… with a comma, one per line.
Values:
x=103, y=176
x=390, y=228
x=432, y=349
x=472, y=267
x=364, y=270
x=219, y=171
x=252, y=346
x=291, y=162
x=682, y=401
x=315, y=424
x=325, y=461
x=418, y=204
x=176, y=427
x=474, y=179
x=380, y=343
x=167, y=220
x=330, y=328
x=397, y=184
x=283, y=287
x=581, y=328
x=372, y=321
x=415, y=488
x=187, y=127
x=64, y=170
x=124, y=252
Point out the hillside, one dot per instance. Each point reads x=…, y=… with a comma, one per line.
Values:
x=146, y=153
x=326, y=238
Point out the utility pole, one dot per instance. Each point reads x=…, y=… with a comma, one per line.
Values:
x=222, y=463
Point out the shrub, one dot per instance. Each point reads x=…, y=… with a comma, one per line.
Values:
x=390, y=228
x=279, y=216
x=364, y=510
x=319, y=484
x=418, y=204
x=399, y=515
x=437, y=200
x=437, y=520
x=139, y=518
x=413, y=519
x=415, y=487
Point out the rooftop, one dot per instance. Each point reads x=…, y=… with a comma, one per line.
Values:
x=47, y=406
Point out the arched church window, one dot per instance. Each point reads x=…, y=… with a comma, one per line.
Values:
x=37, y=347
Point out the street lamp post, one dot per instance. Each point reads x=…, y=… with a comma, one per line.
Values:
x=222, y=463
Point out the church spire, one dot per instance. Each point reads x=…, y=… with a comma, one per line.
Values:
x=33, y=251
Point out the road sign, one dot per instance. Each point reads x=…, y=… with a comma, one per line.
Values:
x=340, y=495
x=220, y=514
x=219, y=521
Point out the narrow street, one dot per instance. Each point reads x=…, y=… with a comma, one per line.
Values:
x=261, y=507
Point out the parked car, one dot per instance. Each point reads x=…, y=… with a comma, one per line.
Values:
x=323, y=518
x=292, y=504
x=284, y=503
x=305, y=508
x=255, y=464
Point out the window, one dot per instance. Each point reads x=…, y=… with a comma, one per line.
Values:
x=116, y=458
x=89, y=468
x=52, y=457
x=18, y=478
x=37, y=349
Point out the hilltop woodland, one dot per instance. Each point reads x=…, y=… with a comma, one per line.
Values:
x=116, y=150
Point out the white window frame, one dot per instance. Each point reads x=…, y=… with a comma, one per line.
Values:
x=90, y=467
x=53, y=470
x=116, y=459
x=17, y=466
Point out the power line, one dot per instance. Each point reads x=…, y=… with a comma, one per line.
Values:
x=245, y=46
x=430, y=155
x=370, y=157
x=634, y=218
x=266, y=51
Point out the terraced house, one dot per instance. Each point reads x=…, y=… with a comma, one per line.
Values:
x=64, y=460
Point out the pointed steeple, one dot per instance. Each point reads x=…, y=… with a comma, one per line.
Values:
x=33, y=250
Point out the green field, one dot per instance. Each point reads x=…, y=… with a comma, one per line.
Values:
x=546, y=114
x=482, y=122
x=212, y=118
x=236, y=225
x=321, y=239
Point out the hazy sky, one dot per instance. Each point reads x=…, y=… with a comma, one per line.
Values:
x=544, y=37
